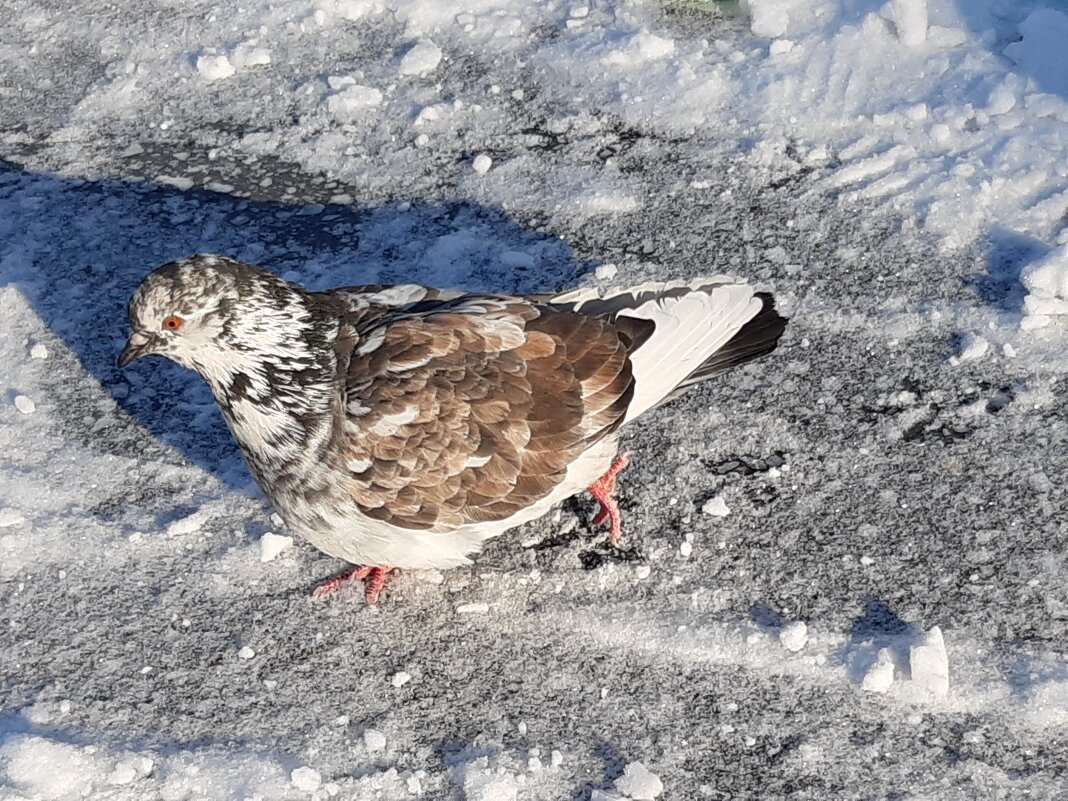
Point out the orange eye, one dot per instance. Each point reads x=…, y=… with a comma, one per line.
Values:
x=172, y=323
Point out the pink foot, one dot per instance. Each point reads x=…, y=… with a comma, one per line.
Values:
x=373, y=577
x=604, y=490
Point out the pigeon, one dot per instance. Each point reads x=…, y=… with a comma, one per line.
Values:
x=402, y=426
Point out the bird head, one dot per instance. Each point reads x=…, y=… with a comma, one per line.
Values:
x=219, y=317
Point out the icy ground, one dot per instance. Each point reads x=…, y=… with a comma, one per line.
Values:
x=845, y=573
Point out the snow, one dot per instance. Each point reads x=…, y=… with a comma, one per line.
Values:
x=893, y=171
x=639, y=783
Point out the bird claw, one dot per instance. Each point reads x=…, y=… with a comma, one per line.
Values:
x=603, y=490
x=373, y=577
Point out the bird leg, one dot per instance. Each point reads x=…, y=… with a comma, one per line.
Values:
x=604, y=492
x=372, y=576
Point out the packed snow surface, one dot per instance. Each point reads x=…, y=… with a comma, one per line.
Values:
x=894, y=171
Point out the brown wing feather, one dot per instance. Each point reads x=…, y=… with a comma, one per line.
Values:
x=474, y=410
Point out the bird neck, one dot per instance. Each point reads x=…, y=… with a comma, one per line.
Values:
x=277, y=385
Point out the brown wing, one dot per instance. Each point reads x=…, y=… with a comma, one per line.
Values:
x=473, y=412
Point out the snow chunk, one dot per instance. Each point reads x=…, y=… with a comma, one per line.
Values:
x=638, y=783
x=215, y=67
x=1047, y=284
x=38, y=351
x=25, y=404
x=11, y=517
x=769, y=18
x=246, y=653
x=484, y=784
x=482, y=163
x=48, y=769
x=929, y=663
x=400, y=678
x=641, y=47
x=306, y=779
x=880, y=675
x=187, y=525
x=716, y=507
x=606, y=795
x=271, y=545
x=421, y=59
x=1041, y=51
x=910, y=19
x=350, y=98
x=794, y=636
x=973, y=348
x=248, y=54
x=374, y=740
x=473, y=609
x=606, y=272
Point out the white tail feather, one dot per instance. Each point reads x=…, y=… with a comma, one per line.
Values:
x=690, y=327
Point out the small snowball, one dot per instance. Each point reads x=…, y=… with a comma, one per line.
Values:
x=716, y=507
x=880, y=675
x=271, y=545
x=482, y=163
x=400, y=678
x=642, y=571
x=579, y=12
x=686, y=549
x=25, y=405
x=214, y=68
x=38, y=351
x=794, y=636
x=246, y=653
x=930, y=664
x=556, y=759
x=306, y=779
x=780, y=47
x=424, y=57
x=473, y=609
x=374, y=740
x=638, y=783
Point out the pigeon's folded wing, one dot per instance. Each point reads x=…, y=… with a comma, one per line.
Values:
x=472, y=410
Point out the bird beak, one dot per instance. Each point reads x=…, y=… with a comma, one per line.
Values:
x=138, y=346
